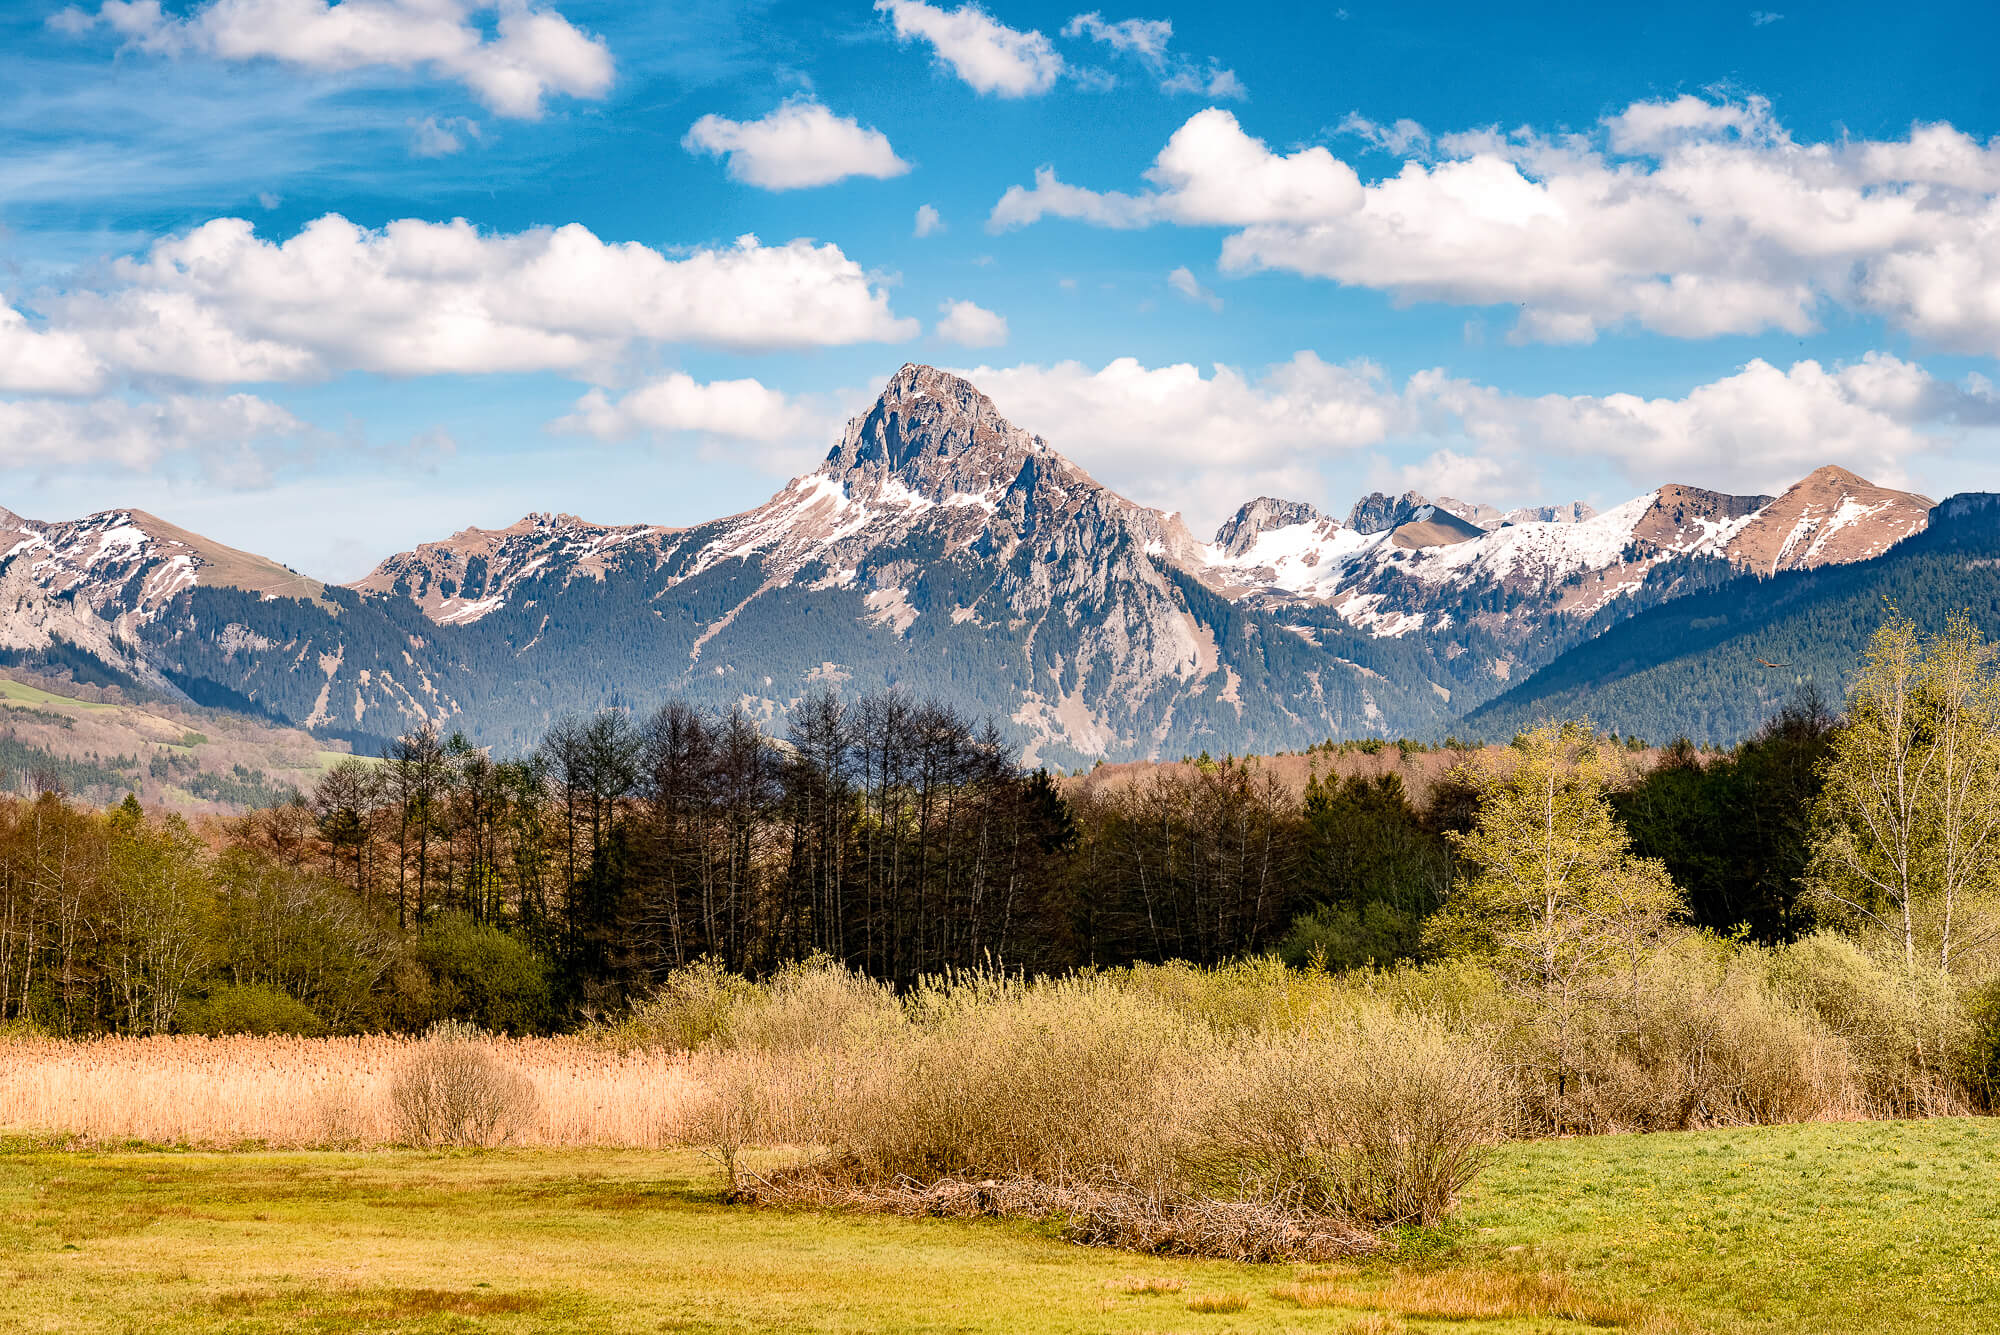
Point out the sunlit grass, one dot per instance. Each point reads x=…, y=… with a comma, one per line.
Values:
x=1824, y=1227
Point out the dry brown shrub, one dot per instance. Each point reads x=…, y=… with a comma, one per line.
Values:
x=1382, y=1121
x=1069, y=1081
x=452, y=1090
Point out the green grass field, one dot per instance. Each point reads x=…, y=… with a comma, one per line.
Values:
x=19, y=692
x=1872, y=1227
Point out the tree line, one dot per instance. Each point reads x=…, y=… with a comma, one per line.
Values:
x=887, y=833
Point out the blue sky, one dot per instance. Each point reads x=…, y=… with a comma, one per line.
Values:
x=1208, y=252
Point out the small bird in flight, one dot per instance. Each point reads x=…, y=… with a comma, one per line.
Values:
x=1769, y=664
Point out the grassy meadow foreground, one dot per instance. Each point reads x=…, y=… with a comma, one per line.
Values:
x=1823, y=1227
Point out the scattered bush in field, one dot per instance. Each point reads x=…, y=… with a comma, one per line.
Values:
x=691, y=1008
x=1382, y=1122
x=251, y=1008
x=453, y=1091
x=1906, y=1030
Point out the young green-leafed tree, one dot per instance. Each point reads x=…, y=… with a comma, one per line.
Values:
x=1551, y=890
x=1907, y=827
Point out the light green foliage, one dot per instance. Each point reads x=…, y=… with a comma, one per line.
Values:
x=1551, y=892
x=1907, y=830
x=160, y=912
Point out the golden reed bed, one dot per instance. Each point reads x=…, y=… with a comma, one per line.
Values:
x=313, y=1091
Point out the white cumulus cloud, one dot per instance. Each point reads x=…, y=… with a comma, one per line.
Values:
x=971, y=326
x=1200, y=443
x=512, y=54
x=987, y=54
x=798, y=145
x=228, y=438
x=929, y=221
x=1210, y=173
x=1688, y=217
x=221, y=305
x=41, y=361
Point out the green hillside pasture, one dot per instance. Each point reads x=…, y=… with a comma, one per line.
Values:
x=1832, y=1227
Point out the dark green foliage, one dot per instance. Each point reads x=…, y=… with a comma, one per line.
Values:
x=461, y=969
x=1351, y=936
x=1732, y=829
x=251, y=1008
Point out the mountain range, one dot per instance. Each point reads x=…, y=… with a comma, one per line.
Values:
x=945, y=550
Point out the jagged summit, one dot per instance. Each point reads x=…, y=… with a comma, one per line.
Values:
x=937, y=435
x=1239, y=532
x=1378, y=512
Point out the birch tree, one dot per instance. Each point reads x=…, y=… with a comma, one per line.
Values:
x=1907, y=829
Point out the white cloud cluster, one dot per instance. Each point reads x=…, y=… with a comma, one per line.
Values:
x=929, y=221
x=1757, y=430
x=1210, y=173
x=37, y=361
x=226, y=438
x=987, y=54
x=1174, y=437
x=1687, y=217
x=1148, y=40
x=531, y=52
x=971, y=326
x=220, y=305
x=798, y=145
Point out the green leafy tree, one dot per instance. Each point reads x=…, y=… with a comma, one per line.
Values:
x=1550, y=888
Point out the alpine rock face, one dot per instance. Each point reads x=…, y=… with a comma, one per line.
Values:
x=941, y=549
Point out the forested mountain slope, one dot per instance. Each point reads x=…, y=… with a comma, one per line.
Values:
x=1712, y=666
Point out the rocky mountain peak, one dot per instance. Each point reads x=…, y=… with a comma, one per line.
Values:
x=1829, y=515
x=935, y=434
x=1239, y=532
x=1573, y=513
x=1472, y=512
x=1378, y=513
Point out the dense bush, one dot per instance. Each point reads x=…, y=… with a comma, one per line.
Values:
x=251, y=1008
x=473, y=971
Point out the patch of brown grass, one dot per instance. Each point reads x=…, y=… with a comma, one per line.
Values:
x=1136, y=1284
x=1219, y=1302
x=295, y=1092
x=1465, y=1295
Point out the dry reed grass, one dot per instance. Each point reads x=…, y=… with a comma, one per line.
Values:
x=1218, y=1302
x=298, y=1092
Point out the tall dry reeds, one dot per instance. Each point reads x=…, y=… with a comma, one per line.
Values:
x=296, y=1092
